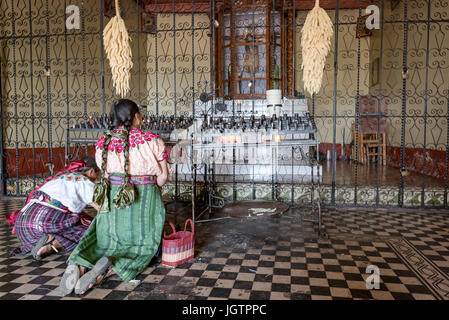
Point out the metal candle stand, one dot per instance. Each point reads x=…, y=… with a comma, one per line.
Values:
x=213, y=129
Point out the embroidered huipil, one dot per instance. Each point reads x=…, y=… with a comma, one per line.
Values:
x=146, y=150
x=73, y=190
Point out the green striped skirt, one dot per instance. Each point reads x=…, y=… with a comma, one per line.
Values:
x=129, y=237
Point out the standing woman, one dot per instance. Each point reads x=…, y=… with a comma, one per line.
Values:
x=126, y=233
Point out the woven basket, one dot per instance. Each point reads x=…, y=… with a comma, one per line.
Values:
x=178, y=247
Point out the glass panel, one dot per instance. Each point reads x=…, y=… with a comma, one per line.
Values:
x=260, y=87
x=251, y=61
x=227, y=24
x=275, y=27
x=275, y=50
x=243, y=87
x=226, y=63
x=275, y=68
x=250, y=25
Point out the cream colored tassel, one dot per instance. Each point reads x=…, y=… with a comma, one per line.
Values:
x=118, y=51
x=315, y=42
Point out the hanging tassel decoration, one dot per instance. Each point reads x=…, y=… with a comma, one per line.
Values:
x=315, y=42
x=118, y=51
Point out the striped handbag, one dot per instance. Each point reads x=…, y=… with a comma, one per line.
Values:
x=178, y=247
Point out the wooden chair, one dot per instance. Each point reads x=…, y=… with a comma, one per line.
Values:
x=368, y=147
x=371, y=146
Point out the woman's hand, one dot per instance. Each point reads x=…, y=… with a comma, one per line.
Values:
x=162, y=178
x=94, y=205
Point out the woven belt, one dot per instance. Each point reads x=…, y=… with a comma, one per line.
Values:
x=138, y=180
x=45, y=198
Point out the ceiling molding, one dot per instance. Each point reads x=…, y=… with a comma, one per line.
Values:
x=203, y=6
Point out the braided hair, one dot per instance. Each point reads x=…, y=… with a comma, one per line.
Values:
x=122, y=114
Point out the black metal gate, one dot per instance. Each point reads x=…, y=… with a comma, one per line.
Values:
x=53, y=77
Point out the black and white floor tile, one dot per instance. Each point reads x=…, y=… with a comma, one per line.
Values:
x=270, y=258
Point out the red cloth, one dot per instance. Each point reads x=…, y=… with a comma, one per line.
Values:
x=73, y=166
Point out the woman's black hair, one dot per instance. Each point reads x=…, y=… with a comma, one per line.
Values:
x=90, y=164
x=121, y=115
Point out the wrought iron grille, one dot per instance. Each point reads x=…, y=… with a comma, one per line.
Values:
x=52, y=78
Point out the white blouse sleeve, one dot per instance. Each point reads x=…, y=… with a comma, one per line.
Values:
x=85, y=191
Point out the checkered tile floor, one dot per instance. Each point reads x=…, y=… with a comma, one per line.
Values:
x=270, y=258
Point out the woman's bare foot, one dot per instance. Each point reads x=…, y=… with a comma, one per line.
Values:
x=100, y=278
x=54, y=245
x=81, y=270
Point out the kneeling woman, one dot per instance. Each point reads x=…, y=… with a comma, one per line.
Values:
x=125, y=235
x=51, y=219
